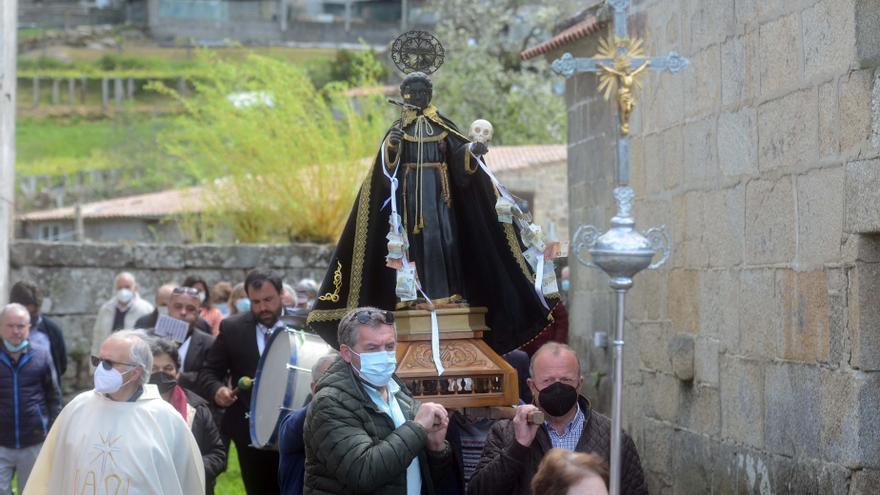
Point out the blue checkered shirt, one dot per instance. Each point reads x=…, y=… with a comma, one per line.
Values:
x=569, y=439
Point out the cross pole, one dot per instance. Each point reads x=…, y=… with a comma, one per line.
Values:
x=620, y=61
x=622, y=251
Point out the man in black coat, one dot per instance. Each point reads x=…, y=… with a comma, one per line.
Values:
x=43, y=330
x=235, y=354
x=514, y=448
x=184, y=305
x=163, y=300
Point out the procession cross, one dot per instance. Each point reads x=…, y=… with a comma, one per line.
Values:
x=622, y=251
x=619, y=63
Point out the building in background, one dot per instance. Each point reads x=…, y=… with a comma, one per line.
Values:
x=534, y=173
x=752, y=360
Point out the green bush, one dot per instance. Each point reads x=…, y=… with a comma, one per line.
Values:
x=283, y=164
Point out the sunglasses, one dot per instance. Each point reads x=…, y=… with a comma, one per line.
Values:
x=192, y=291
x=369, y=317
x=108, y=364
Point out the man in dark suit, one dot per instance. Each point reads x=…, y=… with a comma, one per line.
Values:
x=184, y=305
x=235, y=354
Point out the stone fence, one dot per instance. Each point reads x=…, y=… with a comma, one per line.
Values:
x=78, y=277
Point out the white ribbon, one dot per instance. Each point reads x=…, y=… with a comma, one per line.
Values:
x=397, y=228
x=539, y=269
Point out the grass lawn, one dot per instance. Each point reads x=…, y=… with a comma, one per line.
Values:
x=229, y=483
x=54, y=146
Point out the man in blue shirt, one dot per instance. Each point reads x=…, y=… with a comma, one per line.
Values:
x=291, y=446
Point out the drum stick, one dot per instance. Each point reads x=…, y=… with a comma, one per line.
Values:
x=244, y=383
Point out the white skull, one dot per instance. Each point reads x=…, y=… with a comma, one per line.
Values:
x=481, y=131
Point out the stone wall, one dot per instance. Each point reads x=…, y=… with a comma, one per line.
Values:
x=548, y=185
x=763, y=159
x=78, y=278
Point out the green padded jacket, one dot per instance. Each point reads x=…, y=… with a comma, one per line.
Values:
x=352, y=447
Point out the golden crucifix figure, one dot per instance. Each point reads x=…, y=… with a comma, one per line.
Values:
x=626, y=101
x=621, y=79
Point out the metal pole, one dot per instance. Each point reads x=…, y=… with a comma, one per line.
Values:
x=617, y=396
x=8, y=54
x=404, y=16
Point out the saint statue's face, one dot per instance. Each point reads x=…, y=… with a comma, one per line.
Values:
x=417, y=93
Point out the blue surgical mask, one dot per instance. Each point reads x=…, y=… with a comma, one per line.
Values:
x=243, y=305
x=377, y=367
x=15, y=348
x=565, y=285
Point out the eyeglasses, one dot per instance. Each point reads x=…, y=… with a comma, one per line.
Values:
x=108, y=364
x=367, y=317
x=192, y=291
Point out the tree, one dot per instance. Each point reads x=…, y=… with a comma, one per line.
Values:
x=281, y=160
x=484, y=76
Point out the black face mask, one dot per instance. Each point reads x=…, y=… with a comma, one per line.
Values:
x=557, y=399
x=163, y=381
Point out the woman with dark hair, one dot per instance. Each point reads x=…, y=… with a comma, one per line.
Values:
x=563, y=472
x=194, y=409
x=209, y=312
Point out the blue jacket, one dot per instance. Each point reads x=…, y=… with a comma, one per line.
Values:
x=29, y=397
x=292, y=452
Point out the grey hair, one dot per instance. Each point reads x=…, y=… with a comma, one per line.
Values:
x=140, y=353
x=307, y=285
x=555, y=348
x=324, y=362
x=15, y=307
x=348, y=326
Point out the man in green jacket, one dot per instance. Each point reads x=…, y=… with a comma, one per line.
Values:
x=364, y=432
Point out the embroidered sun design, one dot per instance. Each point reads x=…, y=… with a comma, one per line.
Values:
x=105, y=450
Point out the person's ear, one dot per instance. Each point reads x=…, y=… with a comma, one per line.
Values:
x=533, y=388
x=345, y=352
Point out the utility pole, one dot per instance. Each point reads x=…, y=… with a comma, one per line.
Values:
x=8, y=52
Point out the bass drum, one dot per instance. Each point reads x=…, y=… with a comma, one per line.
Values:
x=282, y=384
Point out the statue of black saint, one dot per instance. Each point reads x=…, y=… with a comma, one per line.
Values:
x=462, y=254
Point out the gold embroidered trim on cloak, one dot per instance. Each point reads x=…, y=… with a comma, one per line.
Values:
x=390, y=165
x=357, y=265
x=513, y=244
x=409, y=116
x=467, y=163
x=426, y=139
x=337, y=284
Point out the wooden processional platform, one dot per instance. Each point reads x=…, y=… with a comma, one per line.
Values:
x=475, y=376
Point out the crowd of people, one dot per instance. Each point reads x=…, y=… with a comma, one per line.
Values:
x=162, y=413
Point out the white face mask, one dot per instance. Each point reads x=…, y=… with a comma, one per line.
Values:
x=201, y=297
x=124, y=295
x=109, y=381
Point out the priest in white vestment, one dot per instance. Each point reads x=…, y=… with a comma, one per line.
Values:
x=120, y=438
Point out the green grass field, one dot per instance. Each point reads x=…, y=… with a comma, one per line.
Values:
x=229, y=483
x=57, y=146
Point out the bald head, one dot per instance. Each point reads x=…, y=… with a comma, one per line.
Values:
x=125, y=280
x=551, y=363
x=163, y=294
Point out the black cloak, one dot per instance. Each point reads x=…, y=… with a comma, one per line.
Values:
x=495, y=272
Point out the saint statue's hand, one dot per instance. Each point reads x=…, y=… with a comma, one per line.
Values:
x=395, y=137
x=479, y=148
